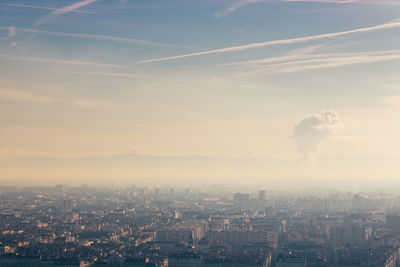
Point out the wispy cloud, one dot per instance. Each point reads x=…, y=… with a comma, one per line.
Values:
x=73, y=6
x=375, y=2
x=63, y=10
x=304, y=50
x=242, y=3
x=46, y=8
x=338, y=62
x=111, y=74
x=22, y=96
x=30, y=97
x=117, y=73
x=390, y=25
x=95, y=37
x=26, y=153
x=29, y=153
x=297, y=63
x=11, y=32
x=236, y=5
x=58, y=61
x=90, y=103
x=326, y=1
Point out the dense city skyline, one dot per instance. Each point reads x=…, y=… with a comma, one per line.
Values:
x=207, y=226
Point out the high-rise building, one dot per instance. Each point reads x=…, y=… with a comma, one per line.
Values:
x=262, y=194
x=241, y=200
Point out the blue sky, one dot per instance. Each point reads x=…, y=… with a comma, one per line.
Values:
x=191, y=88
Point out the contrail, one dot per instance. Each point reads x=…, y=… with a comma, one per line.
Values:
x=95, y=37
x=63, y=10
x=385, y=26
x=58, y=61
x=235, y=6
x=46, y=8
x=296, y=63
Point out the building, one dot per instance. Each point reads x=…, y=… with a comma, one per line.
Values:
x=261, y=195
x=393, y=222
x=290, y=259
x=184, y=260
x=241, y=200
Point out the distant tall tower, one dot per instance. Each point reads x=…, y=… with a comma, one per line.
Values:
x=241, y=200
x=157, y=191
x=261, y=195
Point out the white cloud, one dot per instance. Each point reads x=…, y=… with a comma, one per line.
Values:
x=385, y=26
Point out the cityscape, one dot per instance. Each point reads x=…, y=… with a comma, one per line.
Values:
x=199, y=133
x=201, y=226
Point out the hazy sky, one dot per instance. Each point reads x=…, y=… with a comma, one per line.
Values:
x=153, y=91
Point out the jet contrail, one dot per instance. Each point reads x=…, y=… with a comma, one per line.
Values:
x=389, y=25
x=46, y=8
x=94, y=36
x=65, y=9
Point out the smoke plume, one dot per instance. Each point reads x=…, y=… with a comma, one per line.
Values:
x=311, y=131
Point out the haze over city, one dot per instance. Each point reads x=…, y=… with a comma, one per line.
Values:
x=199, y=133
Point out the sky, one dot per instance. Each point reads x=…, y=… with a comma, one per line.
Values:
x=272, y=92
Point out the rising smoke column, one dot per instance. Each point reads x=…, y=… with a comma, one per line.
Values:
x=310, y=132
